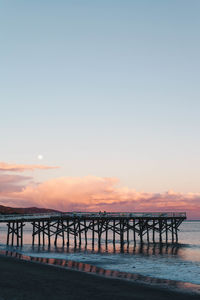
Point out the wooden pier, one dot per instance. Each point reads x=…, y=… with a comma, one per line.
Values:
x=82, y=226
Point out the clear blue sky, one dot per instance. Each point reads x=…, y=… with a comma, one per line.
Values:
x=104, y=88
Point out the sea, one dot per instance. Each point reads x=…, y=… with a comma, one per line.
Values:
x=172, y=265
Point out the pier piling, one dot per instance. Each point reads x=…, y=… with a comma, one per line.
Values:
x=143, y=225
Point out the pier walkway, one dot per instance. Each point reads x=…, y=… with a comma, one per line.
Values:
x=152, y=227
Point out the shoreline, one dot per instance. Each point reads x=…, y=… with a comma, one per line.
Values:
x=139, y=282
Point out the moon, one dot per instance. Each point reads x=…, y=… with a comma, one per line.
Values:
x=40, y=156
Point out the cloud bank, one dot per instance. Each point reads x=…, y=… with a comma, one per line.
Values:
x=5, y=167
x=92, y=193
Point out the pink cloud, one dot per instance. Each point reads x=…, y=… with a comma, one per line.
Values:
x=12, y=183
x=92, y=193
x=21, y=167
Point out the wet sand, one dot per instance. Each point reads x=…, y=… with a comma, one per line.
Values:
x=23, y=280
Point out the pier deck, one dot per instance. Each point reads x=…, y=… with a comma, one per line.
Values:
x=153, y=227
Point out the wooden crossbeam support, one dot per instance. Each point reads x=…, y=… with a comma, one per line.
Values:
x=33, y=234
x=160, y=231
x=8, y=234
x=93, y=233
x=114, y=231
x=147, y=230
x=141, y=231
x=75, y=242
x=39, y=242
x=68, y=233
x=21, y=227
x=122, y=233
x=127, y=233
x=99, y=233
x=79, y=232
x=176, y=230
x=172, y=229
x=153, y=236
x=49, y=235
x=43, y=233
x=166, y=231
x=106, y=238
x=63, y=233
x=79, y=228
x=16, y=230
x=56, y=234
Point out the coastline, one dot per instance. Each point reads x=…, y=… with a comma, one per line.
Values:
x=24, y=277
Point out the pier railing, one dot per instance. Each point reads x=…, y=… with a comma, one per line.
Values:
x=27, y=217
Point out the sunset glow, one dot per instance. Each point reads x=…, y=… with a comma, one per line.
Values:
x=88, y=193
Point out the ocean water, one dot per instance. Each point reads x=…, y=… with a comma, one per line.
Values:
x=175, y=262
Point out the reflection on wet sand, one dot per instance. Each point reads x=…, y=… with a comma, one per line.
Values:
x=88, y=268
x=144, y=249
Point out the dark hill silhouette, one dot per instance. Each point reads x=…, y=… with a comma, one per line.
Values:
x=5, y=210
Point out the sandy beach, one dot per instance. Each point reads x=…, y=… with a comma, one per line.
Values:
x=22, y=280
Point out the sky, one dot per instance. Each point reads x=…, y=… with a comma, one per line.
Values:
x=99, y=105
